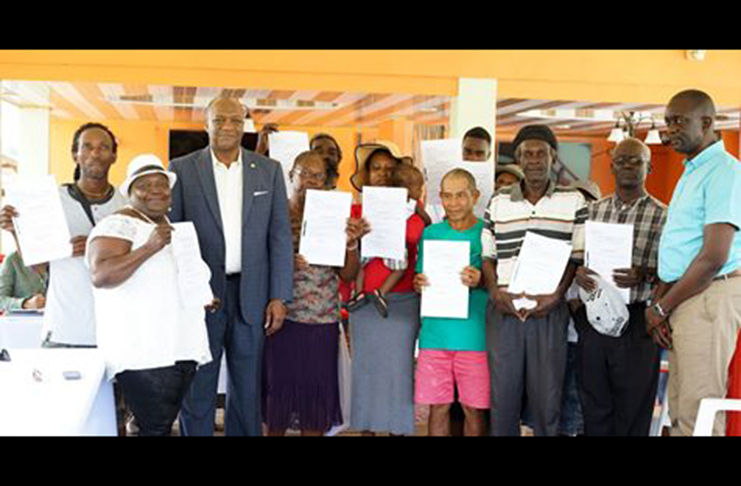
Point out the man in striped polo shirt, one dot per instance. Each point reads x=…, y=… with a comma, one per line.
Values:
x=528, y=348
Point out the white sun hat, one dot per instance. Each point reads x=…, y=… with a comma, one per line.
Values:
x=142, y=165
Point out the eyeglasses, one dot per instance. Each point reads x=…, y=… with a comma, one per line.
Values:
x=308, y=176
x=627, y=159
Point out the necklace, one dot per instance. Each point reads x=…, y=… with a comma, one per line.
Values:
x=92, y=195
x=144, y=216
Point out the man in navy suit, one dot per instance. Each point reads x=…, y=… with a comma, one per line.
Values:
x=237, y=201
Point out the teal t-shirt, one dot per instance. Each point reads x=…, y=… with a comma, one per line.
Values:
x=456, y=334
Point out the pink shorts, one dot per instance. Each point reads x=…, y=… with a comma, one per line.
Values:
x=439, y=371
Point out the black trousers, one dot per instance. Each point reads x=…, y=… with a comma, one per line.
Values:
x=155, y=395
x=617, y=377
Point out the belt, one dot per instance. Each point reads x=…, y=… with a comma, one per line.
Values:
x=233, y=276
x=733, y=274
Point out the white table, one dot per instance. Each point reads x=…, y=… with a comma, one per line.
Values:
x=21, y=331
x=55, y=406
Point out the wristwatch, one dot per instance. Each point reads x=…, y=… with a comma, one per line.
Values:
x=659, y=310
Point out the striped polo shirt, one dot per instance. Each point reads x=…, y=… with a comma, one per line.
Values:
x=561, y=214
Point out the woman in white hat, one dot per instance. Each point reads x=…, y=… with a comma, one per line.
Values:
x=383, y=347
x=151, y=338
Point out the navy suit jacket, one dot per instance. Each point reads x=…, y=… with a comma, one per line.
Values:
x=267, y=243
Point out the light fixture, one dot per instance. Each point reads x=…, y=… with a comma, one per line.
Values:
x=616, y=134
x=653, y=137
x=696, y=55
x=630, y=122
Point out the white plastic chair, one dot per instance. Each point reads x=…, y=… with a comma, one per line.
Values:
x=706, y=414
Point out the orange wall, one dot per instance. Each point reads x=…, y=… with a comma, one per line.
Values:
x=134, y=138
x=138, y=137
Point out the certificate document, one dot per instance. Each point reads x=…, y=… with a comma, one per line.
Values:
x=41, y=227
x=323, y=237
x=608, y=247
x=445, y=296
x=441, y=156
x=286, y=146
x=540, y=265
x=385, y=209
x=193, y=273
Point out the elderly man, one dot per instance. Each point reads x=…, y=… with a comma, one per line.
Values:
x=618, y=376
x=699, y=259
x=528, y=348
x=453, y=351
x=237, y=201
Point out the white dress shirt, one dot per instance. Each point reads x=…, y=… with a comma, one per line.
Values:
x=230, y=189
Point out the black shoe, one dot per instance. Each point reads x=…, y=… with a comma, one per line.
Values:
x=357, y=302
x=380, y=302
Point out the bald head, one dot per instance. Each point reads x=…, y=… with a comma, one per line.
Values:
x=633, y=146
x=695, y=101
x=225, y=124
x=631, y=163
x=225, y=101
x=690, y=122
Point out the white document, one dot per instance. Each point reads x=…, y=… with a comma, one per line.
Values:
x=540, y=265
x=524, y=303
x=385, y=209
x=441, y=156
x=285, y=147
x=41, y=227
x=609, y=246
x=193, y=273
x=323, y=237
x=446, y=296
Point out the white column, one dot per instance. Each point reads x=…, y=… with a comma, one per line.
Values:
x=25, y=137
x=33, y=155
x=475, y=106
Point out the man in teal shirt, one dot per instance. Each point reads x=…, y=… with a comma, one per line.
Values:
x=453, y=351
x=696, y=310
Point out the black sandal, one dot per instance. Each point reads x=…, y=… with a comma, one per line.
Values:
x=380, y=302
x=356, y=302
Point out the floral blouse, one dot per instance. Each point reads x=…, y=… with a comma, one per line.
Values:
x=316, y=298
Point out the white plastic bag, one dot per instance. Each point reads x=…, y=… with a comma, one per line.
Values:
x=606, y=310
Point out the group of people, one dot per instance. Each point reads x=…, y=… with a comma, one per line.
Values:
x=277, y=318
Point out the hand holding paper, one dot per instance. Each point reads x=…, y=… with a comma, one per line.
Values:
x=41, y=226
x=384, y=208
x=323, y=232
x=446, y=295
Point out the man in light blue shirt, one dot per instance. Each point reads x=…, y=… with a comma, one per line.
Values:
x=696, y=307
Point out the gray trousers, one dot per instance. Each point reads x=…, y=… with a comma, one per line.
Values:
x=526, y=357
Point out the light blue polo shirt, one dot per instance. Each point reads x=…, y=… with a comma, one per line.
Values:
x=708, y=192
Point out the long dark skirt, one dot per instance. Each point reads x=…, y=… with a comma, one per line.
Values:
x=300, y=388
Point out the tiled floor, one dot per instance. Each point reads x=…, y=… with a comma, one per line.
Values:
x=421, y=427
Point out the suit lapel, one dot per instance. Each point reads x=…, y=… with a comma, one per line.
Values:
x=251, y=175
x=208, y=184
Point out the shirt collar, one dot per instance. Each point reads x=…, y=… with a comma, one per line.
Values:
x=707, y=154
x=619, y=204
x=518, y=192
x=216, y=162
